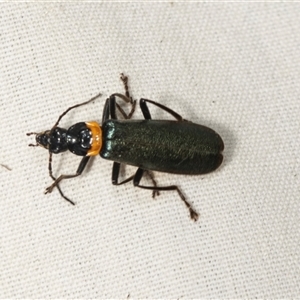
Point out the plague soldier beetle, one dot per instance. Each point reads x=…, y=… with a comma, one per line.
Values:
x=178, y=146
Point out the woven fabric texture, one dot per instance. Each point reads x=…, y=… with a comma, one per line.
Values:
x=232, y=67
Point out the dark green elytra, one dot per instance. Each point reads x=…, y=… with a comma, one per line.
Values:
x=180, y=147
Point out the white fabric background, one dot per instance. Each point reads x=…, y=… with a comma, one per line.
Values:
x=232, y=67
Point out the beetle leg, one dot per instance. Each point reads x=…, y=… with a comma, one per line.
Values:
x=115, y=175
x=137, y=178
x=109, y=111
x=146, y=112
x=54, y=178
x=106, y=111
x=56, y=182
x=147, y=115
x=127, y=98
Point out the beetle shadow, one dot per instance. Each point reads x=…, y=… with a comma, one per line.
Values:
x=126, y=171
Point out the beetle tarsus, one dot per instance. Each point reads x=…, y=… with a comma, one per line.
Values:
x=193, y=214
x=125, y=82
x=155, y=193
x=50, y=188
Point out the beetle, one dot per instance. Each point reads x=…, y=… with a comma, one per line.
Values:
x=178, y=146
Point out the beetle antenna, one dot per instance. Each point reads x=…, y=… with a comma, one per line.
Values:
x=74, y=106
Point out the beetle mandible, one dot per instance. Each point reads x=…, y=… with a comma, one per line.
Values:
x=180, y=146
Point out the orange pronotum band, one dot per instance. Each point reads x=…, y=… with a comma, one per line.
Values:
x=96, y=138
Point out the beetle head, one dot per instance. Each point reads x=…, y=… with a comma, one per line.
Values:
x=54, y=140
